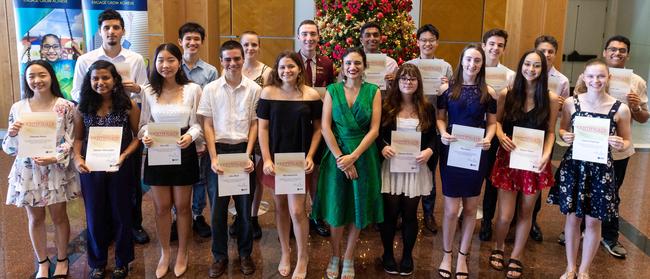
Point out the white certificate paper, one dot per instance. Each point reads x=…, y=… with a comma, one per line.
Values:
x=124, y=70
x=496, y=77
x=407, y=147
x=590, y=142
x=103, y=150
x=234, y=180
x=37, y=137
x=289, y=173
x=530, y=145
x=376, y=70
x=431, y=71
x=620, y=83
x=164, y=150
x=555, y=84
x=465, y=153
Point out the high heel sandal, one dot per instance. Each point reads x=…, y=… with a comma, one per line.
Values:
x=462, y=274
x=569, y=275
x=163, y=268
x=494, y=257
x=583, y=276
x=332, y=271
x=65, y=275
x=46, y=260
x=300, y=275
x=348, y=269
x=518, y=267
x=444, y=273
x=179, y=271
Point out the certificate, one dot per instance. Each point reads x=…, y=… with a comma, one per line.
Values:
x=376, y=70
x=164, y=150
x=124, y=70
x=37, y=136
x=103, y=150
x=496, y=77
x=234, y=180
x=530, y=145
x=590, y=141
x=407, y=147
x=289, y=173
x=619, y=83
x=555, y=84
x=431, y=71
x=465, y=153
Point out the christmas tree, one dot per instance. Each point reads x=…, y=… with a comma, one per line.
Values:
x=340, y=20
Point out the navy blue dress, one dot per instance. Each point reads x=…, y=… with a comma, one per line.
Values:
x=467, y=110
x=587, y=188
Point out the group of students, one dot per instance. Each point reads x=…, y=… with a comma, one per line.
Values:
x=345, y=134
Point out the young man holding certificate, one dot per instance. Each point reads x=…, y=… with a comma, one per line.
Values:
x=381, y=67
x=228, y=106
x=630, y=89
x=526, y=118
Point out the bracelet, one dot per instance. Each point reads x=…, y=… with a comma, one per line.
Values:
x=337, y=157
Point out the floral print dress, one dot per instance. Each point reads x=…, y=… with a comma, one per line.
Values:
x=587, y=188
x=37, y=186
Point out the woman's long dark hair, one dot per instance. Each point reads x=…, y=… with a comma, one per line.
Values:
x=156, y=80
x=393, y=102
x=90, y=101
x=457, y=81
x=54, y=85
x=515, y=103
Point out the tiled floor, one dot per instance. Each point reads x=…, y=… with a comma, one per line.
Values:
x=542, y=260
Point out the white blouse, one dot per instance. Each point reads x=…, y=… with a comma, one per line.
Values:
x=183, y=113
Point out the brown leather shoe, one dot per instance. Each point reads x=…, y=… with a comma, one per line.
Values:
x=217, y=268
x=247, y=265
x=430, y=224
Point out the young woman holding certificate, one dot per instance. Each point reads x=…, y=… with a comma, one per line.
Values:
x=467, y=105
x=405, y=110
x=589, y=194
x=37, y=182
x=526, y=118
x=171, y=98
x=349, y=183
x=289, y=115
x=107, y=194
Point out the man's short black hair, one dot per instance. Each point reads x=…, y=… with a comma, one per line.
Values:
x=308, y=22
x=367, y=25
x=109, y=14
x=546, y=39
x=496, y=32
x=190, y=27
x=428, y=28
x=228, y=45
x=618, y=38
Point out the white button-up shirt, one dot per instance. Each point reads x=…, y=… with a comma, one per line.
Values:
x=231, y=109
x=137, y=69
x=562, y=86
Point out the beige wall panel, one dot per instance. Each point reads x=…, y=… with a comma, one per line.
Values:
x=271, y=48
x=174, y=16
x=224, y=18
x=459, y=20
x=9, y=80
x=495, y=14
x=268, y=18
x=555, y=24
x=156, y=24
x=212, y=25
x=450, y=53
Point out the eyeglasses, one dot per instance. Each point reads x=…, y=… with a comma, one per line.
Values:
x=48, y=47
x=406, y=79
x=620, y=50
x=430, y=41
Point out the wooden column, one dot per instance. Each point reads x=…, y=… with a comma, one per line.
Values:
x=9, y=80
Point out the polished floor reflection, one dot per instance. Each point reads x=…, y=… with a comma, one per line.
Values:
x=542, y=260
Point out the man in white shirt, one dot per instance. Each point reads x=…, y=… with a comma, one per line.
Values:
x=131, y=67
x=228, y=106
x=557, y=82
x=370, y=40
x=494, y=45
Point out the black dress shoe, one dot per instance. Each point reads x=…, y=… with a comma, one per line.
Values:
x=247, y=266
x=257, y=230
x=217, y=268
x=406, y=267
x=430, y=224
x=120, y=272
x=485, y=234
x=536, y=233
x=97, y=273
x=232, y=229
x=201, y=227
x=140, y=236
x=319, y=227
x=173, y=232
x=389, y=265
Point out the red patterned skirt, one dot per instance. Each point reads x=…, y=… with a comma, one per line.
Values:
x=528, y=182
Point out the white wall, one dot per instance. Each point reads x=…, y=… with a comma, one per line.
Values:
x=633, y=21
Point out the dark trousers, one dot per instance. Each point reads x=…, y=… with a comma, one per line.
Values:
x=490, y=194
x=220, y=212
x=393, y=206
x=136, y=199
x=429, y=202
x=107, y=199
x=610, y=227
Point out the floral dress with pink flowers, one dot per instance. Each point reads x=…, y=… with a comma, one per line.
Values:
x=34, y=185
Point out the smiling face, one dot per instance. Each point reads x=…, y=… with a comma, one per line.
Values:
x=494, y=47
x=370, y=39
x=191, y=42
x=102, y=81
x=472, y=62
x=596, y=77
x=38, y=79
x=111, y=32
x=531, y=69
x=51, y=49
x=408, y=84
x=308, y=37
x=428, y=43
x=353, y=65
x=616, y=54
x=549, y=52
x=167, y=64
x=288, y=70
x=251, y=44
x=232, y=61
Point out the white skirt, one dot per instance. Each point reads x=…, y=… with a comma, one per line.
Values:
x=412, y=184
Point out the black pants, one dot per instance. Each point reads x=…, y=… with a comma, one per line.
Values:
x=429, y=202
x=136, y=200
x=393, y=206
x=610, y=227
x=490, y=194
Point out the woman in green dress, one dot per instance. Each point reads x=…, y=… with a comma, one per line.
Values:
x=349, y=184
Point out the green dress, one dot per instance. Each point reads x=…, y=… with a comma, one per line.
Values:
x=341, y=201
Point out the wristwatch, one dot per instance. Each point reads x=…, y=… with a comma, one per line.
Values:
x=636, y=109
